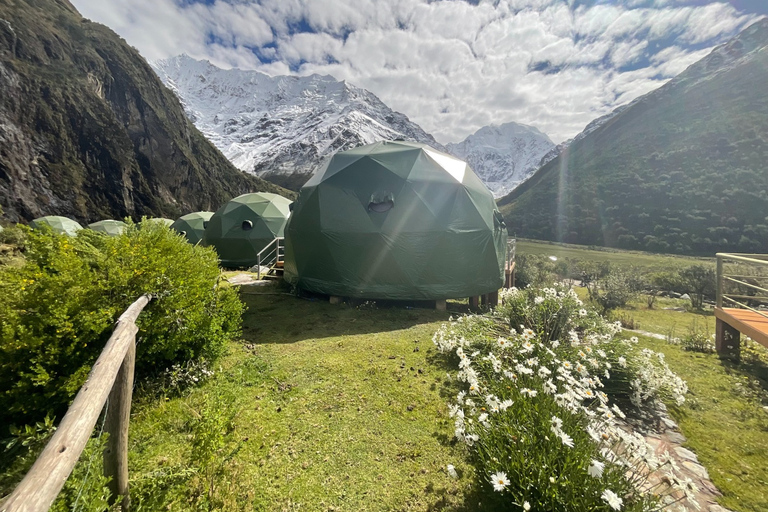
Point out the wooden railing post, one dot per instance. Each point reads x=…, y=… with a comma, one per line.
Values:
x=719, y=295
x=116, y=424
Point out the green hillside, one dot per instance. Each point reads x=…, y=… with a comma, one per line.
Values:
x=87, y=129
x=682, y=169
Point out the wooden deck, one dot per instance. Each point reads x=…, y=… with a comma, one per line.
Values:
x=731, y=322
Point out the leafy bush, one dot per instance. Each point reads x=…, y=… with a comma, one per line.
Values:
x=57, y=310
x=698, y=281
x=539, y=413
x=615, y=289
x=698, y=340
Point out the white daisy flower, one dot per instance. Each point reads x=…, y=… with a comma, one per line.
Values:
x=595, y=469
x=612, y=499
x=499, y=481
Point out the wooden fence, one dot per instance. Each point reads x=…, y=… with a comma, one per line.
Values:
x=111, y=378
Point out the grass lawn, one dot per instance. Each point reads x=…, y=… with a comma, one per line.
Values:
x=725, y=421
x=615, y=256
x=726, y=416
x=337, y=408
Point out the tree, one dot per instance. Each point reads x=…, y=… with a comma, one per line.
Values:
x=698, y=281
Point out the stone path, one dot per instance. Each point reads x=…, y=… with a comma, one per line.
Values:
x=663, y=434
x=247, y=280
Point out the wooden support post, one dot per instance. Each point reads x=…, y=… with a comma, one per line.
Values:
x=440, y=305
x=335, y=300
x=727, y=340
x=493, y=299
x=474, y=302
x=116, y=424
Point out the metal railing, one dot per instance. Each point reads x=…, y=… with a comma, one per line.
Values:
x=270, y=255
x=110, y=382
x=739, y=279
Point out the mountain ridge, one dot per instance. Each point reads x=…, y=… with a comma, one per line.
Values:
x=281, y=126
x=676, y=170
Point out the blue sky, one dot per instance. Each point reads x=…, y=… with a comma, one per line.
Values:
x=452, y=66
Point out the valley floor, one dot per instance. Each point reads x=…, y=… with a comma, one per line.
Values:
x=344, y=408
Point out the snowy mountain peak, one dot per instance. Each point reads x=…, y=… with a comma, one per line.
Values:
x=281, y=125
x=503, y=155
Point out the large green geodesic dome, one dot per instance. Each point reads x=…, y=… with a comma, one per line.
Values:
x=109, y=226
x=60, y=225
x=395, y=220
x=245, y=225
x=192, y=225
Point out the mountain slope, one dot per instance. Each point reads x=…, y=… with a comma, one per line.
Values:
x=281, y=127
x=503, y=156
x=87, y=130
x=681, y=169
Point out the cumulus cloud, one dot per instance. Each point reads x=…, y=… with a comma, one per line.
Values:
x=452, y=66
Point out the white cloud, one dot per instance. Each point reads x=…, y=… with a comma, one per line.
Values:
x=449, y=65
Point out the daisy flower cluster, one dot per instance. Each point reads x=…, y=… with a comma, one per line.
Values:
x=539, y=414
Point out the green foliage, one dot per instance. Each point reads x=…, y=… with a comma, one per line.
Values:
x=86, y=488
x=58, y=309
x=555, y=313
x=616, y=290
x=698, y=281
x=538, y=412
x=698, y=339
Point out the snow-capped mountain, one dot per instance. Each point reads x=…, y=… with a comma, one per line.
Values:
x=281, y=125
x=503, y=156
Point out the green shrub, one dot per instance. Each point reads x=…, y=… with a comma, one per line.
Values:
x=539, y=413
x=698, y=281
x=57, y=310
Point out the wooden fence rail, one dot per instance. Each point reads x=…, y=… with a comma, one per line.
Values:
x=111, y=377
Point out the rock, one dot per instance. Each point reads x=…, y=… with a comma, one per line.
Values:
x=675, y=437
x=685, y=296
x=696, y=469
x=686, y=454
x=669, y=423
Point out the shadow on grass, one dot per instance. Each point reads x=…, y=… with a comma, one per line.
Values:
x=753, y=368
x=276, y=316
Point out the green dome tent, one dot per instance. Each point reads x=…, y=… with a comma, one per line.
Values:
x=162, y=220
x=395, y=220
x=192, y=225
x=245, y=225
x=109, y=227
x=60, y=225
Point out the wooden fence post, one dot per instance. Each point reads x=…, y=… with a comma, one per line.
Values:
x=118, y=417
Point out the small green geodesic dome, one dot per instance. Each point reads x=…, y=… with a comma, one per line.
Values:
x=162, y=220
x=60, y=225
x=192, y=225
x=395, y=220
x=109, y=226
x=245, y=225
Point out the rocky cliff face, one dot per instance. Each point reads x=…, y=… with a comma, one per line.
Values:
x=281, y=127
x=87, y=130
